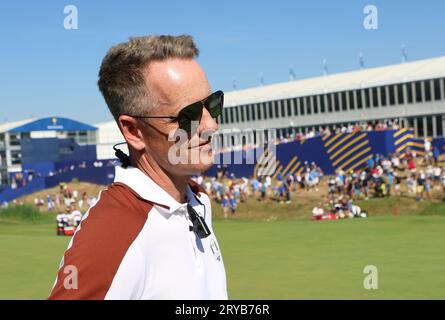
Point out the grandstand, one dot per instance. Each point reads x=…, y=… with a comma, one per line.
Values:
x=39, y=147
x=412, y=93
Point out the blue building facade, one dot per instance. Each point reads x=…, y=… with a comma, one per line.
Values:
x=40, y=146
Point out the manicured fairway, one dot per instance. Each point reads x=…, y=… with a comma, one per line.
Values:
x=29, y=257
x=322, y=260
x=293, y=259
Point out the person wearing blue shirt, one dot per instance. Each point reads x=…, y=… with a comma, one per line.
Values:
x=371, y=163
x=436, y=155
x=233, y=204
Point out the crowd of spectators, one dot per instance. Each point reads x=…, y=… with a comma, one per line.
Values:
x=382, y=176
x=350, y=128
x=229, y=191
x=308, y=134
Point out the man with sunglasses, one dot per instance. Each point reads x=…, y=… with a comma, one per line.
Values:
x=149, y=235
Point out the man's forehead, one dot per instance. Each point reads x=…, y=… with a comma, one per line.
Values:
x=176, y=81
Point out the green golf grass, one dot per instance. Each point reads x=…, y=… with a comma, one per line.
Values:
x=325, y=260
x=291, y=259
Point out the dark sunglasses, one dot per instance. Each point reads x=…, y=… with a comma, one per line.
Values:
x=193, y=112
x=200, y=227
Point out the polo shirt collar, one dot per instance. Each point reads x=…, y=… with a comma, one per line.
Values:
x=149, y=190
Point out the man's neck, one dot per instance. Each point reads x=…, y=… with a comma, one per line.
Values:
x=175, y=186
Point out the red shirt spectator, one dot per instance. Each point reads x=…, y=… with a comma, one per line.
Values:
x=411, y=164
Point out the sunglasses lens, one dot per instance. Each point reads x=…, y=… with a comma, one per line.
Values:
x=189, y=114
x=193, y=112
x=215, y=104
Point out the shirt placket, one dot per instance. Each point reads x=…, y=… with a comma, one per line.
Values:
x=191, y=235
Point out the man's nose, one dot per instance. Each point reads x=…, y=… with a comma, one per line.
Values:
x=207, y=122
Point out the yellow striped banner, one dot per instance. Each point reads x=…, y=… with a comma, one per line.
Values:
x=291, y=162
x=399, y=149
x=347, y=145
x=325, y=137
x=270, y=170
x=359, y=163
x=295, y=167
x=358, y=155
x=277, y=172
x=333, y=139
x=264, y=163
x=418, y=145
x=399, y=141
x=357, y=147
x=398, y=133
x=340, y=142
x=259, y=162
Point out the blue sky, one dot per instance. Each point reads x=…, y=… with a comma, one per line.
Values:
x=47, y=70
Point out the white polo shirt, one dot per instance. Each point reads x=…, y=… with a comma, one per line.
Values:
x=136, y=243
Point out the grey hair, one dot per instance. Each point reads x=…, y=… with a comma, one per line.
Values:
x=121, y=78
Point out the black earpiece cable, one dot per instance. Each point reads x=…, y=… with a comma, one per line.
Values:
x=122, y=156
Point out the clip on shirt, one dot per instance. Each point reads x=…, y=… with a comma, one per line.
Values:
x=199, y=225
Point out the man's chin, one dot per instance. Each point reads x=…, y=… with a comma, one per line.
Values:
x=195, y=169
x=203, y=163
x=201, y=167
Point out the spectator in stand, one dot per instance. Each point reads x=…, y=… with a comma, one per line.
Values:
x=437, y=172
x=421, y=179
x=233, y=204
x=428, y=153
x=318, y=212
x=75, y=215
x=263, y=188
x=412, y=165
x=436, y=155
x=225, y=205
x=50, y=203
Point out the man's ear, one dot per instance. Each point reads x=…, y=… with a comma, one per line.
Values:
x=131, y=130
